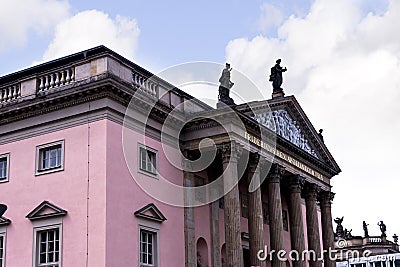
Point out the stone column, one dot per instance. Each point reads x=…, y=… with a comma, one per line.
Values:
x=214, y=228
x=255, y=220
x=311, y=194
x=296, y=183
x=234, y=253
x=326, y=198
x=189, y=227
x=275, y=212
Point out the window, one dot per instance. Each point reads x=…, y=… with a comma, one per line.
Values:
x=2, y=249
x=244, y=203
x=4, y=166
x=48, y=248
x=50, y=157
x=221, y=203
x=148, y=249
x=148, y=160
x=265, y=213
x=285, y=220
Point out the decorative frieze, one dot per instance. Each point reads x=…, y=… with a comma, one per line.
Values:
x=283, y=125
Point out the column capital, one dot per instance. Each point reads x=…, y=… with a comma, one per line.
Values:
x=229, y=151
x=187, y=160
x=255, y=161
x=326, y=197
x=296, y=183
x=311, y=191
x=275, y=173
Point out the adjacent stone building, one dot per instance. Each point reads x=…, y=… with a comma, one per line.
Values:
x=74, y=200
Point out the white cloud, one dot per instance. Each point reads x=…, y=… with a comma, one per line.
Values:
x=91, y=28
x=344, y=69
x=19, y=18
x=271, y=16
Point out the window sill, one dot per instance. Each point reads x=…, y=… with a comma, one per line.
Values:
x=47, y=171
x=4, y=180
x=150, y=174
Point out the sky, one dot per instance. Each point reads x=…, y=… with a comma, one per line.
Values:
x=343, y=60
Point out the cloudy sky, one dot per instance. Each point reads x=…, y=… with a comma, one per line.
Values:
x=343, y=60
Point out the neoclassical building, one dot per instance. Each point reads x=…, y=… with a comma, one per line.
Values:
x=78, y=195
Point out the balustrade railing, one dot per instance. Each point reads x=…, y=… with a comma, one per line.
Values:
x=144, y=84
x=10, y=93
x=56, y=79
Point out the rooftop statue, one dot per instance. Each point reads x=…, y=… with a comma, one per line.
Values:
x=225, y=86
x=382, y=227
x=276, y=77
x=339, y=228
x=365, y=227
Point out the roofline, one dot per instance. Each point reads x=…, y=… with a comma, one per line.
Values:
x=85, y=55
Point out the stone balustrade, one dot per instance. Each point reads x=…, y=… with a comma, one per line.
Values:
x=10, y=93
x=144, y=84
x=84, y=71
x=56, y=79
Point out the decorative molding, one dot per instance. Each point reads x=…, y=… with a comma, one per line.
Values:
x=42, y=211
x=283, y=125
x=150, y=212
x=230, y=150
x=275, y=173
x=296, y=183
x=311, y=191
x=4, y=221
x=326, y=197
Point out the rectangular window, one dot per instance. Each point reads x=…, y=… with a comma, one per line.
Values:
x=285, y=220
x=221, y=203
x=4, y=166
x=148, y=160
x=2, y=250
x=50, y=157
x=148, y=249
x=265, y=213
x=48, y=248
x=244, y=203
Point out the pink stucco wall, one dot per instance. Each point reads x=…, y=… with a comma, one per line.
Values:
x=124, y=197
x=67, y=189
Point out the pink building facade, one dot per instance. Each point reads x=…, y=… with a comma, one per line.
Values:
x=72, y=186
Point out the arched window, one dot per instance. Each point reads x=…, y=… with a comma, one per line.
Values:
x=202, y=252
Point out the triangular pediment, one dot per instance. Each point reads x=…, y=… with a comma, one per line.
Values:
x=286, y=118
x=46, y=210
x=4, y=221
x=150, y=212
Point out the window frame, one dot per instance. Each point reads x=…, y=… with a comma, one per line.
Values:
x=154, y=173
x=36, y=246
x=153, y=229
x=39, y=157
x=3, y=234
x=7, y=177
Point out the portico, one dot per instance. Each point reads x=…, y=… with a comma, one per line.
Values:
x=279, y=193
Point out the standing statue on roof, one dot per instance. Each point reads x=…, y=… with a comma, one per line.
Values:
x=276, y=77
x=365, y=227
x=382, y=227
x=225, y=86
